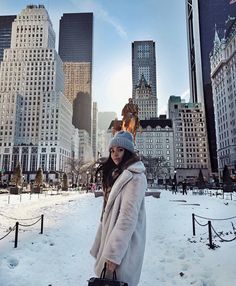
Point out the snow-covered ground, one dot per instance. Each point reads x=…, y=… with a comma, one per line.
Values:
x=60, y=256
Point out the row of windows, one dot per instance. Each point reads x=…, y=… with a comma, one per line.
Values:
x=150, y=146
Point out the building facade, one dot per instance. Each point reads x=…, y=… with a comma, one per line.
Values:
x=202, y=16
x=35, y=117
x=85, y=148
x=147, y=103
x=103, y=140
x=95, y=131
x=144, y=63
x=223, y=76
x=190, y=139
x=75, y=50
x=5, y=33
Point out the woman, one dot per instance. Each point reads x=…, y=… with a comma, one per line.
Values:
x=120, y=239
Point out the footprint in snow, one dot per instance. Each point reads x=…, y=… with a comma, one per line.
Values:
x=181, y=256
x=12, y=262
x=200, y=254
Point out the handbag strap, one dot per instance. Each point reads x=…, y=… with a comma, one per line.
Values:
x=103, y=273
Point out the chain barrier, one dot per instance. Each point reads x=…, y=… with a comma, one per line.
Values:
x=211, y=228
x=214, y=218
x=1, y=214
x=27, y=225
x=226, y=240
x=200, y=223
x=16, y=228
x=12, y=229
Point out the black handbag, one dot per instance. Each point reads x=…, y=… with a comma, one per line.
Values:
x=102, y=281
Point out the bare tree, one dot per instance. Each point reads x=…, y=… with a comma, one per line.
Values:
x=156, y=166
x=75, y=169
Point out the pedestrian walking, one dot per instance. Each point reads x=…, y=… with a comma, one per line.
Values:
x=174, y=188
x=121, y=235
x=184, y=187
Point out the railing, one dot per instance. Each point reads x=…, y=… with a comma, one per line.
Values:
x=17, y=224
x=211, y=228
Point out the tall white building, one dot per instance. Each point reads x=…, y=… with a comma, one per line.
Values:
x=85, y=148
x=35, y=117
x=223, y=77
x=190, y=139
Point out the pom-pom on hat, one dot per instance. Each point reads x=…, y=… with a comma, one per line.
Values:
x=123, y=139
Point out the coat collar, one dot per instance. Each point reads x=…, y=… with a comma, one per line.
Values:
x=137, y=167
x=122, y=180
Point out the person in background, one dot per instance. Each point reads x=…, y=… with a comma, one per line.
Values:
x=121, y=235
x=184, y=187
x=173, y=188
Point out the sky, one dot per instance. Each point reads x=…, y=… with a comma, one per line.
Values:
x=117, y=23
x=60, y=256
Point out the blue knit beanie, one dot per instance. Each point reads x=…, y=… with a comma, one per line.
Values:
x=123, y=139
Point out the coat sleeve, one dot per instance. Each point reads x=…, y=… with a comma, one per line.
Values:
x=132, y=197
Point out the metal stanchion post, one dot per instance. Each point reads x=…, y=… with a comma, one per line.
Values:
x=16, y=234
x=42, y=218
x=193, y=221
x=210, y=234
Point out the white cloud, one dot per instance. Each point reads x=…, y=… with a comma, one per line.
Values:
x=186, y=95
x=102, y=14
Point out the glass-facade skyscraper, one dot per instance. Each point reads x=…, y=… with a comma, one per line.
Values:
x=75, y=50
x=203, y=18
x=76, y=37
x=5, y=33
x=144, y=63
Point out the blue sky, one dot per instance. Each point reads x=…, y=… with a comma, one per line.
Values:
x=117, y=23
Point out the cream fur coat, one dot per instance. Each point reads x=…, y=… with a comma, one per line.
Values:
x=121, y=234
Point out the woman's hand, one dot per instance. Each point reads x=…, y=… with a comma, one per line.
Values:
x=111, y=266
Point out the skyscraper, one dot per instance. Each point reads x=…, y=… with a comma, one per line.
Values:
x=75, y=50
x=95, y=130
x=5, y=33
x=202, y=18
x=144, y=63
x=76, y=37
x=223, y=75
x=35, y=117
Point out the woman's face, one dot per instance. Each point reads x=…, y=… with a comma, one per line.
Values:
x=117, y=154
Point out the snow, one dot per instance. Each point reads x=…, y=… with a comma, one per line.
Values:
x=60, y=256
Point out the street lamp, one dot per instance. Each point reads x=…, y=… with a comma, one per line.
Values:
x=98, y=180
x=175, y=180
x=87, y=173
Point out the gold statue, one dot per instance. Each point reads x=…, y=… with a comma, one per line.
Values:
x=130, y=120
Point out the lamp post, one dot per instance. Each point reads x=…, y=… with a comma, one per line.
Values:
x=87, y=173
x=98, y=180
x=175, y=180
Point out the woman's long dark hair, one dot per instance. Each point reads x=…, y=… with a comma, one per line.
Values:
x=108, y=168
